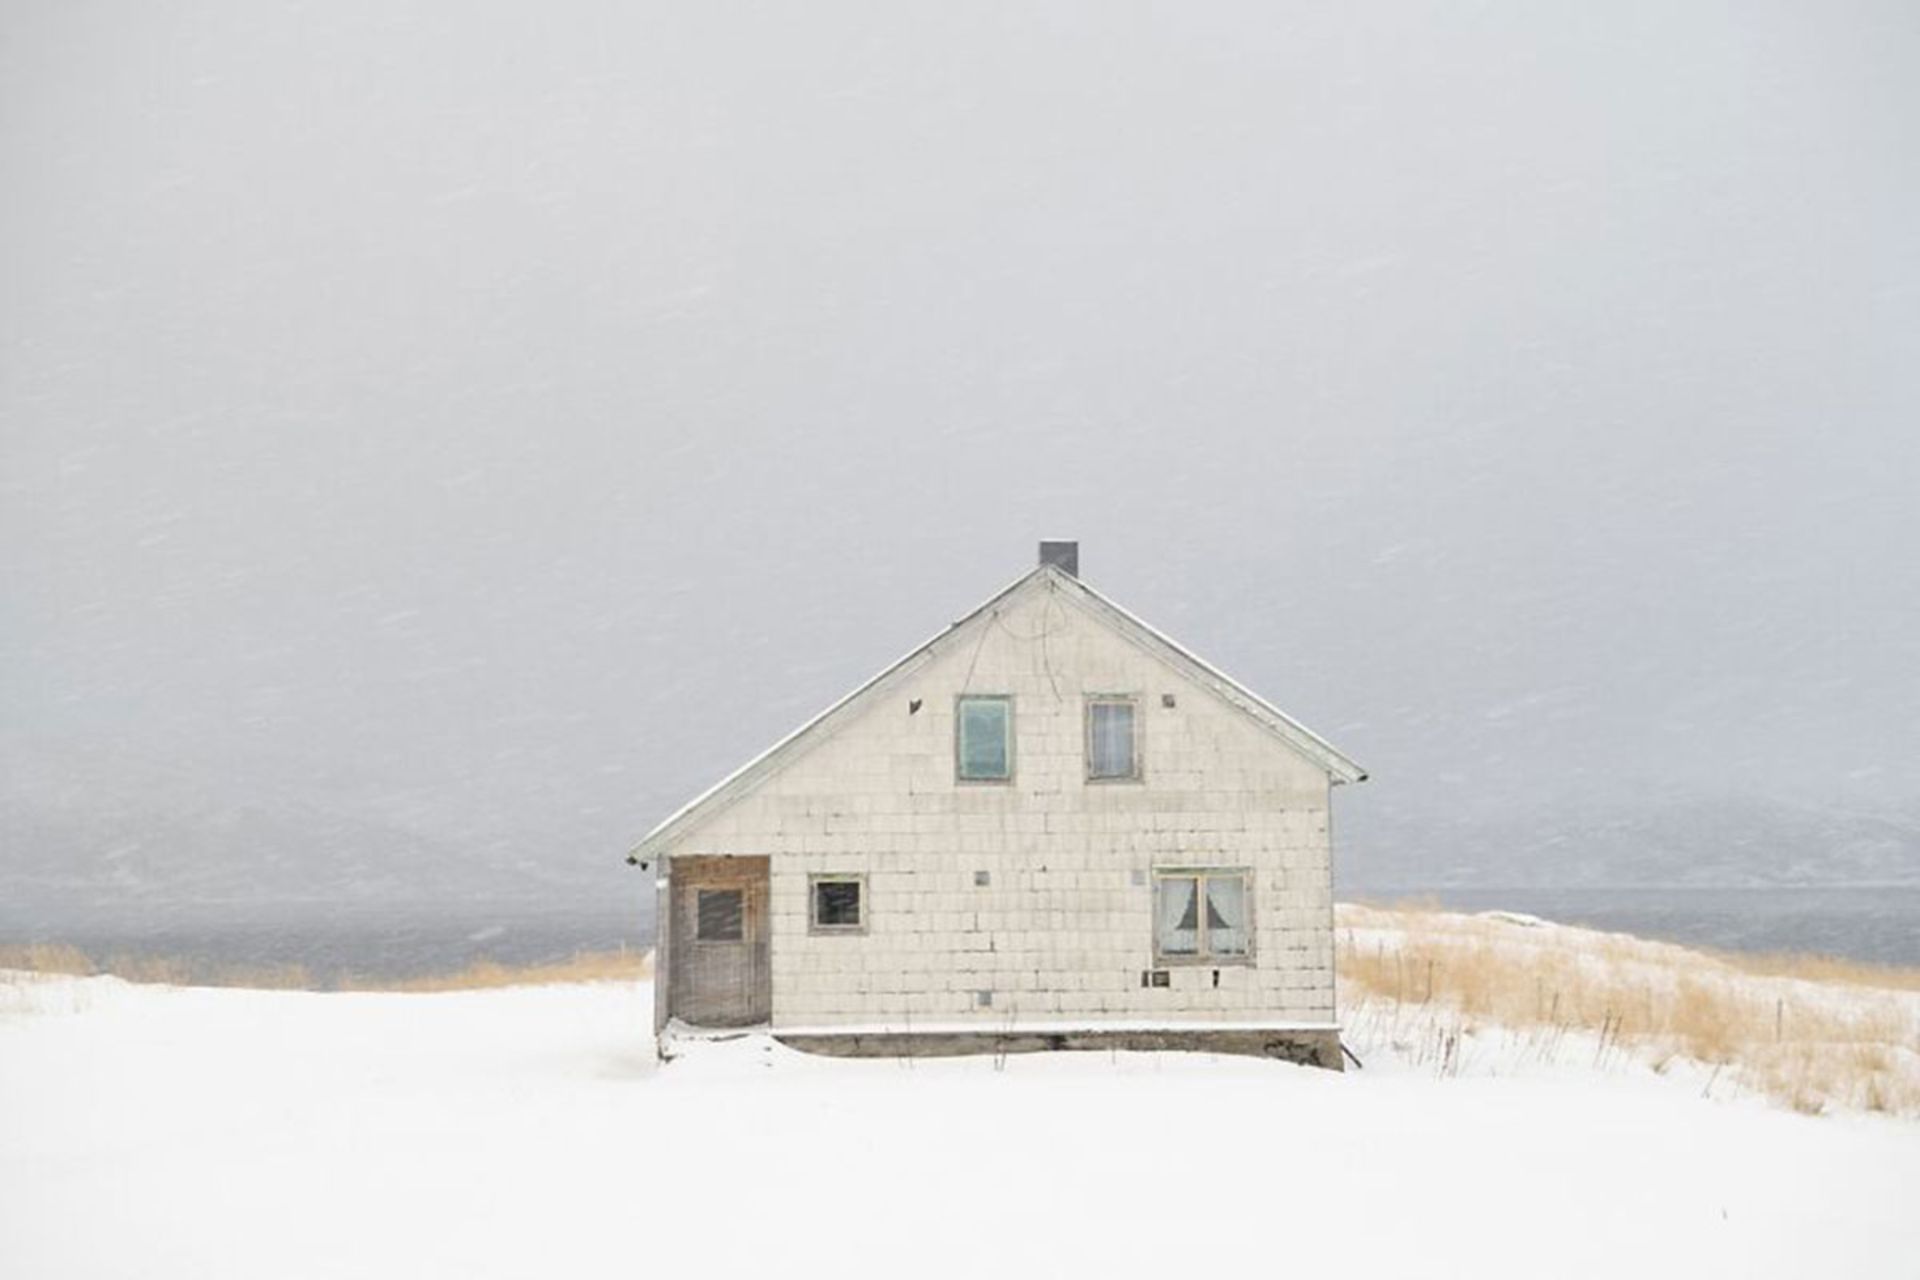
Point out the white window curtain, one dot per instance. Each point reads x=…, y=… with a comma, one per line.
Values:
x=1177, y=915
x=1226, y=915
x=1110, y=749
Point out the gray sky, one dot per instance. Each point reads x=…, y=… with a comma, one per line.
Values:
x=501, y=420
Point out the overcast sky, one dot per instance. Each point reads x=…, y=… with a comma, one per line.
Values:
x=506, y=419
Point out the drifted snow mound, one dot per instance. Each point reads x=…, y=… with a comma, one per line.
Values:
x=1520, y=918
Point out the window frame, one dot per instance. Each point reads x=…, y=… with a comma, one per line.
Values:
x=818, y=878
x=1202, y=957
x=1139, y=773
x=959, y=773
x=700, y=892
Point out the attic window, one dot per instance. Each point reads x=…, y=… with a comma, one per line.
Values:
x=1112, y=748
x=983, y=738
x=838, y=904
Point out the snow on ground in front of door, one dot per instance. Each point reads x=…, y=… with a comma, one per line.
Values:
x=178, y=1132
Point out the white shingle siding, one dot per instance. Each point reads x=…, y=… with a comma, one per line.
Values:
x=1062, y=931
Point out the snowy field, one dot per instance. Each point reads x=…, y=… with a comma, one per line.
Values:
x=182, y=1132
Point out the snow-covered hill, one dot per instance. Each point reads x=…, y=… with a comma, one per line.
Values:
x=114, y=838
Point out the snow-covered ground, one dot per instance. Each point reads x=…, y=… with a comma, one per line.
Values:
x=165, y=1132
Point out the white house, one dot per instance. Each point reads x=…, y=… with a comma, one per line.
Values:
x=1049, y=826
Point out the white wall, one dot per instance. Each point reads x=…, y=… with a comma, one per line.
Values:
x=1063, y=931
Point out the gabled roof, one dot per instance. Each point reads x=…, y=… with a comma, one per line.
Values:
x=738, y=784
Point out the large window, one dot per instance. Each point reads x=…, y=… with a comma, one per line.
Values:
x=1202, y=916
x=838, y=904
x=1113, y=752
x=983, y=738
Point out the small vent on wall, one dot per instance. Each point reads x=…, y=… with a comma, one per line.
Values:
x=984, y=999
x=1167, y=700
x=1156, y=978
x=982, y=879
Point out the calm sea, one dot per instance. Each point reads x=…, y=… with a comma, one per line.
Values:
x=332, y=946
x=1877, y=925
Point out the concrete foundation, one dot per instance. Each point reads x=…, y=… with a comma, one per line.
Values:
x=1309, y=1048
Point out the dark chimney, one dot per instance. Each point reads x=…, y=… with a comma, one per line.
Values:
x=1064, y=556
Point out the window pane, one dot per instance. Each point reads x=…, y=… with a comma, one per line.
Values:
x=1176, y=916
x=1110, y=740
x=836, y=903
x=719, y=916
x=984, y=749
x=1226, y=915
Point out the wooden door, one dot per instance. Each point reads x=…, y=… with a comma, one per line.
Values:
x=720, y=975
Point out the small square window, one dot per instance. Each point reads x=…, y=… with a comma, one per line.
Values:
x=839, y=904
x=1113, y=753
x=983, y=738
x=718, y=916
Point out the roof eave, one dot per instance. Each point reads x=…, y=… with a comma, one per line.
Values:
x=1340, y=767
x=670, y=828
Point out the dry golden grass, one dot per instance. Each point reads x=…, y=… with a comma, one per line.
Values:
x=585, y=966
x=174, y=971
x=1810, y=1032
x=46, y=957
x=1815, y=968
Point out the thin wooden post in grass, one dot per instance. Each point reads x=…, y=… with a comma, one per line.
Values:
x=1779, y=1017
x=1429, y=999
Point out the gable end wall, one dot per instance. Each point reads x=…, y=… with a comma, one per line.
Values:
x=1062, y=931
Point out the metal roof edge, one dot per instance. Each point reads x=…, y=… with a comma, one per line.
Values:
x=742, y=778
x=1340, y=766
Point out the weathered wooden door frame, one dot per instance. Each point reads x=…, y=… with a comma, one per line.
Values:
x=717, y=983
